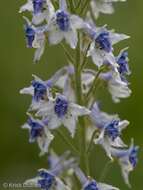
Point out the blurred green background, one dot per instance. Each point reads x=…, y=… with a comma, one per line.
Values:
x=18, y=159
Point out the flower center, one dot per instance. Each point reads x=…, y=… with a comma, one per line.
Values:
x=103, y=42
x=40, y=90
x=91, y=186
x=62, y=19
x=61, y=106
x=36, y=129
x=47, y=180
x=112, y=130
x=123, y=63
x=133, y=157
x=30, y=35
x=38, y=6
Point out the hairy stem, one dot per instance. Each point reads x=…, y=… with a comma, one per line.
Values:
x=66, y=140
x=91, y=142
x=80, y=101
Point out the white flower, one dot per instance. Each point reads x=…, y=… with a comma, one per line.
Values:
x=61, y=111
x=103, y=6
x=39, y=90
x=46, y=180
x=62, y=25
x=116, y=86
x=39, y=132
x=101, y=48
x=110, y=128
x=36, y=7
x=35, y=37
x=127, y=159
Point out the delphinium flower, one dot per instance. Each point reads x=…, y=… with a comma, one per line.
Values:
x=50, y=179
x=127, y=159
x=103, y=6
x=115, y=85
x=35, y=38
x=60, y=111
x=41, y=10
x=109, y=127
x=64, y=25
x=101, y=48
x=38, y=132
x=68, y=98
x=91, y=184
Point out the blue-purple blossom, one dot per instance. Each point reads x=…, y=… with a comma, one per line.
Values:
x=39, y=132
x=39, y=90
x=110, y=128
x=63, y=25
x=50, y=179
x=101, y=48
x=62, y=111
x=127, y=159
x=35, y=38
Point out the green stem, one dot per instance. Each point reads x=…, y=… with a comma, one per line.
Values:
x=94, y=85
x=91, y=142
x=66, y=140
x=67, y=53
x=85, y=58
x=80, y=101
x=85, y=7
x=72, y=6
x=105, y=170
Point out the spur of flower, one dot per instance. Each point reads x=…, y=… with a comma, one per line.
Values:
x=103, y=6
x=102, y=41
x=60, y=111
x=127, y=159
x=50, y=179
x=109, y=127
x=38, y=132
x=91, y=184
x=63, y=25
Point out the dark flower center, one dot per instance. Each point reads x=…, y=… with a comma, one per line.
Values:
x=112, y=130
x=123, y=65
x=47, y=180
x=38, y=6
x=91, y=186
x=133, y=156
x=103, y=42
x=62, y=19
x=36, y=129
x=61, y=106
x=40, y=90
x=30, y=35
